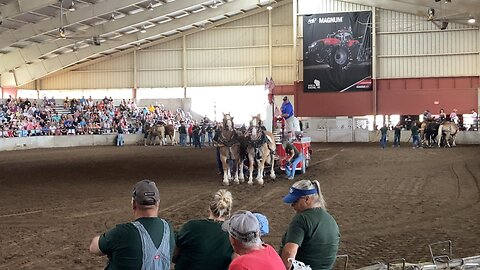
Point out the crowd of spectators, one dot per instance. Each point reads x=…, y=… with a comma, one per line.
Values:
x=22, y=117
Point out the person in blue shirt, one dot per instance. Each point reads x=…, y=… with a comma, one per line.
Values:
x=288, y=115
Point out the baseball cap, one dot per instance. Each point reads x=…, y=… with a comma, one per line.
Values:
x=145, y=192
x=263, y=222
x=294, y=194
x=243, y=226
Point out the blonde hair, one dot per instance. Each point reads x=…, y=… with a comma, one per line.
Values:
x=309, y=185
x=221, y=205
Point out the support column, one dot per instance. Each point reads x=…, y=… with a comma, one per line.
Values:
x=270, y=60
x=295, y=30
x=184, y=64
x=374, y=62
x=135, y=84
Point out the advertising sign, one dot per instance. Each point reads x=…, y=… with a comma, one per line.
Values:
x=337, y=52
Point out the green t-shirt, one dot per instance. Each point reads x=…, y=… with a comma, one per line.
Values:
x=123, y=245
x=414, y=130
x=203, y=245
x=317, y=235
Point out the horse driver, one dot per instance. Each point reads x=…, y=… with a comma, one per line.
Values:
x=288, y=115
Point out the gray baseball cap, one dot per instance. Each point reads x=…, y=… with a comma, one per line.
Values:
x=243, y=226
x=145, y=192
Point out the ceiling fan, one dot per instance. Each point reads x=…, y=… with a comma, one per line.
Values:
x=442, y=20
x=64, y=33
x=439, y=17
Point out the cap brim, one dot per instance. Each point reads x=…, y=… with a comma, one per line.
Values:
x=290, y=198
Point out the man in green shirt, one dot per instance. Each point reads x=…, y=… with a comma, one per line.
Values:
x=146, y=243
x=415, y=138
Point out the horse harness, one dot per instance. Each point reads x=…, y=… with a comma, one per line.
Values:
x=228, y=142
x=256, y=144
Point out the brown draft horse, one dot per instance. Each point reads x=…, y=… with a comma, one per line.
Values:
x=229, y=148
x=260, y=149
x=170, y=132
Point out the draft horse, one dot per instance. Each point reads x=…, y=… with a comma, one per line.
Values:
x=229, y=148
x=156, y=132
x=428, y=132
x=170, y=132
x=449, y=129
x=260, y=150
x=161, y=131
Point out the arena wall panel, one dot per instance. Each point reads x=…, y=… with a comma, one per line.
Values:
x=158, y=60
x=89, y=79
x=409, y=46
x=159, y=79
x=24, y=143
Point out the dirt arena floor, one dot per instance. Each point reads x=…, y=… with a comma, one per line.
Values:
x=389, y=203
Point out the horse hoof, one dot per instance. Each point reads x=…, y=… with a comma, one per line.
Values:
x=260, y=182
x=273, y=177
x=225, y=183
x=250, y=182
x=236, y=182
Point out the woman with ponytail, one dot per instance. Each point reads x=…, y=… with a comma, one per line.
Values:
x=201, y=243
x=313, y=235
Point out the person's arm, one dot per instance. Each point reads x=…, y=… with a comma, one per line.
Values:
x=94, y=247
x=176, y=253
x=289, y=251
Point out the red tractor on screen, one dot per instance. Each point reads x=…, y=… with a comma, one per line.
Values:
x=339, y=50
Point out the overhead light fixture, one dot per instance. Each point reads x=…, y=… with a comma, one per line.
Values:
x=150, y=6
x=444, y=25
x=143, y=30
x=96, y=41
x=471, y=20
x=112, y=17
x=448, y=1
x=431, y=14
x=214, y=4
x=61, y=32
x=72, y=6
x=269, y=7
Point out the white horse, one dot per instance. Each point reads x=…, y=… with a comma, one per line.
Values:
x=260, y=150
x=450, y=129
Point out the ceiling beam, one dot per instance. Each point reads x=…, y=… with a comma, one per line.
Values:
x=28, y=54
x=416, y=7
x=19, y=7
x=29, y=30
x=29, y=72
x=167, y=39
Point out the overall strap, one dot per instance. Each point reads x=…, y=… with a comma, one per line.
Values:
x=154, y=258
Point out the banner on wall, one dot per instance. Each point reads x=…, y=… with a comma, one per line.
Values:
x=337, y=52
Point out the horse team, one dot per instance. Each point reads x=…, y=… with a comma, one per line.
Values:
x=254, y=143
x=435, y=132
x=159, y=132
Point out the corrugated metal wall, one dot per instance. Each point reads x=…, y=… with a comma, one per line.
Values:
x=237, y=53
x=113, y=73
x=409, y=47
